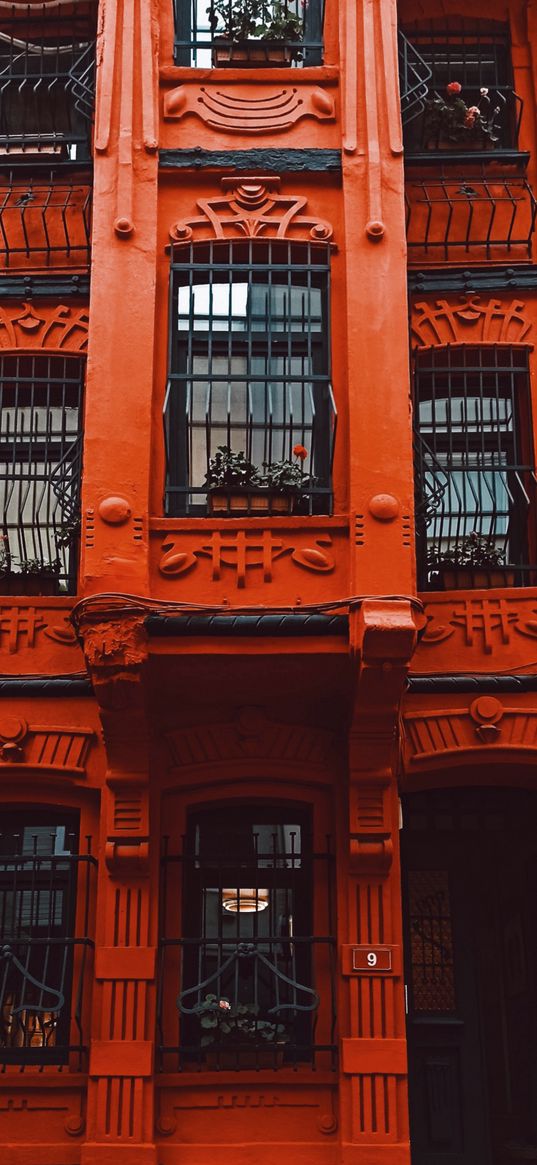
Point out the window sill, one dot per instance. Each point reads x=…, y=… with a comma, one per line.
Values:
x=175, y=74
x=302, y=1073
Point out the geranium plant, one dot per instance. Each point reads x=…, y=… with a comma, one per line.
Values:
x=229, y=470
x=287, y=476
x=474, y=552
x=448, y=118
x=236, y=1023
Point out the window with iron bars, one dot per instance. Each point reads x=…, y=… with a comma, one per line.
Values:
x=457, y=91
x=46, y=892
x=249, y=372
x=47, y=86
x=474, y=467
x=248, y=33
x=247, y=966
x=40, y=472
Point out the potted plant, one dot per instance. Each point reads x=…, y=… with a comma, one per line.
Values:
x=235, y=1037
x=253, y=32
x=450, y=123
x=475, y=562
x=285, y=480
x=30, y=576
x=235, y=486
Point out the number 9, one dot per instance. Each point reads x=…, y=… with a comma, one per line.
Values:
x=372, y=959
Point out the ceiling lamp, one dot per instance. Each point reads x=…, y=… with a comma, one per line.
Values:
x=242, y=900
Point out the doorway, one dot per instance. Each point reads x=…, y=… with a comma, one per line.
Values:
x=469, y=861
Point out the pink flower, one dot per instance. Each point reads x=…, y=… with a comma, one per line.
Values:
x=471, y=115
x=454, y=88
x=224, y=1005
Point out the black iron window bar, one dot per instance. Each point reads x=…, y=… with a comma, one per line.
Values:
x=241, y=985
x=476, y=59
x=248, y=33
x=474, y=468
x=47, y=82
x=249, y=364
x=45, y=221
x=46, y=892
x=483, y=216
x=40, y=472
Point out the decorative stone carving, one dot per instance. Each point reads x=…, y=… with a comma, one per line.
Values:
x=241, y=109
x=243, y=551
x=468, y=320
x=62, y=327
x=448, y=736
x=252, y=208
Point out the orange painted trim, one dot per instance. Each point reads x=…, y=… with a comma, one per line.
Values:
x=385, y=1057
x=171, y=74
x=121, y=1058
x=125, y=962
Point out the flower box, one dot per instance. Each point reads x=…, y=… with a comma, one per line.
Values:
x=29, y=584
x=228, y=1059
x=237, y=502
x=471, y=578
x=250, y=54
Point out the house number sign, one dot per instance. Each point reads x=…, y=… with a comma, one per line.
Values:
x=371, y=959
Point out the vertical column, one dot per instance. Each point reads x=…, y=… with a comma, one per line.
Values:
x=373, y=1085
x=120, y=1093
x=122, y=305
x=380, y=478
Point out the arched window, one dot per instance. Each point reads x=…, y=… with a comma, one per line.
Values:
x=251, y=966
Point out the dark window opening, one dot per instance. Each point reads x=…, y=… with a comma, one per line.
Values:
x=251, y=969
x=474, y=467
x=249, y=369
x=470, y=103
x=47, y=64
x=40, y=472
x=251, y=34
x=43, y=938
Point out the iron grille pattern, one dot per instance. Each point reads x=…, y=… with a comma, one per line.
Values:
x=40, y=471
x=414, y=78
x=45, y=222
x=243, y=981
x=485, y=217
x=249, y=365
x=47, y=65
x=474, y=466
x=46, y=892
x=476, y=56
x=213, y=35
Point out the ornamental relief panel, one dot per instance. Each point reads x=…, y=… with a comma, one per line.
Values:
x=251, y=207
x=470, y=319
x=486, y=724
x=59, y=328
x=249, y=109
x=279, y=563
x=37, y=639
x=488, y=633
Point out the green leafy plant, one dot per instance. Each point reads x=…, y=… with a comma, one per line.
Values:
x=238, y=1023
x=243, y=20
x=66, y=532
x=37, y=566
x=447, y=117
x=229, y=470
x=475, y=551
x=287, y=476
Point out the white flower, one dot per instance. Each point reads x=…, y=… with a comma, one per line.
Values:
x=484, y=92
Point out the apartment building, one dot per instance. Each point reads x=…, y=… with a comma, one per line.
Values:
x=268, y=613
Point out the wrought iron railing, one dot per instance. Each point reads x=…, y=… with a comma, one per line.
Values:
x=45, y=222
x=476, y=481
x=47, y=84
x=40, y=472
x=254, y=34
x=45, y=957
x=414, y=79
x=244, y=990
x=249, y=364
x=469, y=214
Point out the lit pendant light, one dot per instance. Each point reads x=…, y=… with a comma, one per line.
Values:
x=242, y=900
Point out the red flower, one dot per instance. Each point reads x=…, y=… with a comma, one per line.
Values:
x=300, y=451
x=454, y=88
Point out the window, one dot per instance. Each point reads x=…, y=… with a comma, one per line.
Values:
x=249, y=366
x=471, y=103
x=40, y=470
x=44, y=938
x=47, y=61
x=475, y=475
x=251, y=967
x=248, y=33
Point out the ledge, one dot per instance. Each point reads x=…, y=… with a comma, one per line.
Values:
x=69, y=685
x=479, y=278
x=450, y=158
x=279, y=161
x=175, y=74
x=423, y=684
x=282, y=626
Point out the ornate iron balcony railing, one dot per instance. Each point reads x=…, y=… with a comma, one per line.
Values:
x=414, y=80
x=469, y=214
x=45, y=222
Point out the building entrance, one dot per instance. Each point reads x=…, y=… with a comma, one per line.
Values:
x=470, y=885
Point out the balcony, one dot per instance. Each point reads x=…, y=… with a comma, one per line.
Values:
x=470, y=214
x=248, y=34
x=45, y=222
x=47, y=66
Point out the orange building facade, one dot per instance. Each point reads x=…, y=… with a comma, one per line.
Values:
x=268, y=587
